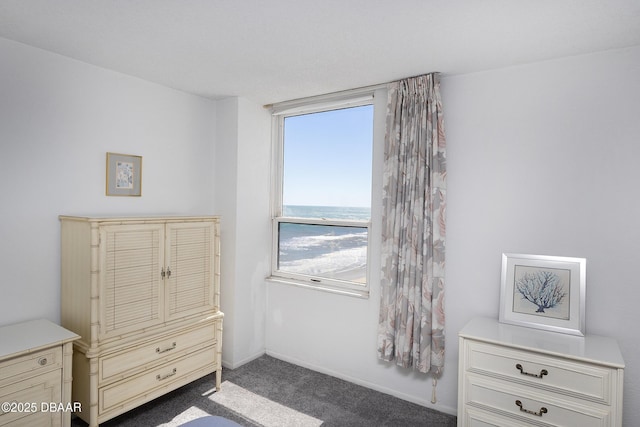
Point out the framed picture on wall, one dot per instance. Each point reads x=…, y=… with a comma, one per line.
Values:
x=124, y=175
x=543, y=292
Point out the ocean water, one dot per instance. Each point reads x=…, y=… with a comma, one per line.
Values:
x=328, y=212
x=325, y=251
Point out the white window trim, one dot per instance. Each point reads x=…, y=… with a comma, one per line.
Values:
x=347, y=99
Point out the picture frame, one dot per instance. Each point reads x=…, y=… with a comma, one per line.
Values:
x=124, y=175
x=543, y=292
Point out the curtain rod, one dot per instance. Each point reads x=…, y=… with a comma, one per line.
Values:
x=338, y=94
x=326, y=96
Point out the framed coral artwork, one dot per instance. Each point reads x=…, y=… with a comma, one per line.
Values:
x=124, y=175
x=544, y=292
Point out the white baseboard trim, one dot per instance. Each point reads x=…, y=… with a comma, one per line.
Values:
x=229, y=365
x=422, y=402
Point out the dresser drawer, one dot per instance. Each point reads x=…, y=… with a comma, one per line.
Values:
x=527, y=405
x=133, y=360
x=474, y=417
x=35, y=363
x=39, y=419
x=582, y=380
x=126, y=391
x=25, y=398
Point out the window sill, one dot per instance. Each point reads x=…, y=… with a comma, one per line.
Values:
x=363, y=294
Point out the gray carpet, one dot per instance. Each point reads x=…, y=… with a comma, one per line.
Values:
x=268, y=392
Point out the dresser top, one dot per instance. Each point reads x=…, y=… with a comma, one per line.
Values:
x=21, y=338
x=590, y=348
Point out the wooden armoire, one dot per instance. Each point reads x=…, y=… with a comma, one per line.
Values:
x=144, y=296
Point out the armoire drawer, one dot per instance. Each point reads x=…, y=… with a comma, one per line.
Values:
x=545, y=372
x=125, y=391
x=133, y=360
x=530, y=405
x=30, y=365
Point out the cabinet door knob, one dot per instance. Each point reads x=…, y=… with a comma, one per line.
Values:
x=42, y=361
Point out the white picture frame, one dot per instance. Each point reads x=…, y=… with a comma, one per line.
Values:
x=543, y=292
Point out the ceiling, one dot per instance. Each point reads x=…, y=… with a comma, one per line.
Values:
x=276, y=50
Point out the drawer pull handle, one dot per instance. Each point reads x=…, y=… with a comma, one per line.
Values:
x=42, y=361
x=173, y=346
x=164, y=377
x=540, y=375
x=543, y=410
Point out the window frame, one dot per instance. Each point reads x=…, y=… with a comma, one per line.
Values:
x=280, y=112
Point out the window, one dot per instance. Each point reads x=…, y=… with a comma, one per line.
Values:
x=322, y=203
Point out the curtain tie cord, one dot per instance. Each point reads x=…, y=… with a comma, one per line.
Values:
x=433, y=391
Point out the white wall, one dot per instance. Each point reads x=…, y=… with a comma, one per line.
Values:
x=542, y=159
x=253, y=255
x=242, y=189
x=58, y=118
x=226, y=201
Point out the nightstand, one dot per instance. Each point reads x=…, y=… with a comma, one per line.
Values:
x=35, y=374
x=514, y=376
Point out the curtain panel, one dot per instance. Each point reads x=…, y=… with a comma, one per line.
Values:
x=411, y=322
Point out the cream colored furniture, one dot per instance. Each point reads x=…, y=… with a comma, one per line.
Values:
x=143, y=293
x=514, y=376
x=35, y=374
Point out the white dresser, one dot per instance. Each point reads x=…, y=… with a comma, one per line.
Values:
x=35, y=374
x=144, y=295
x=513, y=376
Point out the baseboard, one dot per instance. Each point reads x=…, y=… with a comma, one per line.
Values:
x=376, y=387
x=228, y=365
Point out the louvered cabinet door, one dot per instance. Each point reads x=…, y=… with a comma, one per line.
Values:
x=191, y=255
x=131, y=291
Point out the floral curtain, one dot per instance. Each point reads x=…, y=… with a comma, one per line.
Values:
x=411, y=324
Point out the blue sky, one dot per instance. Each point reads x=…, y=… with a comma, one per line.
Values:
x=327, y=158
